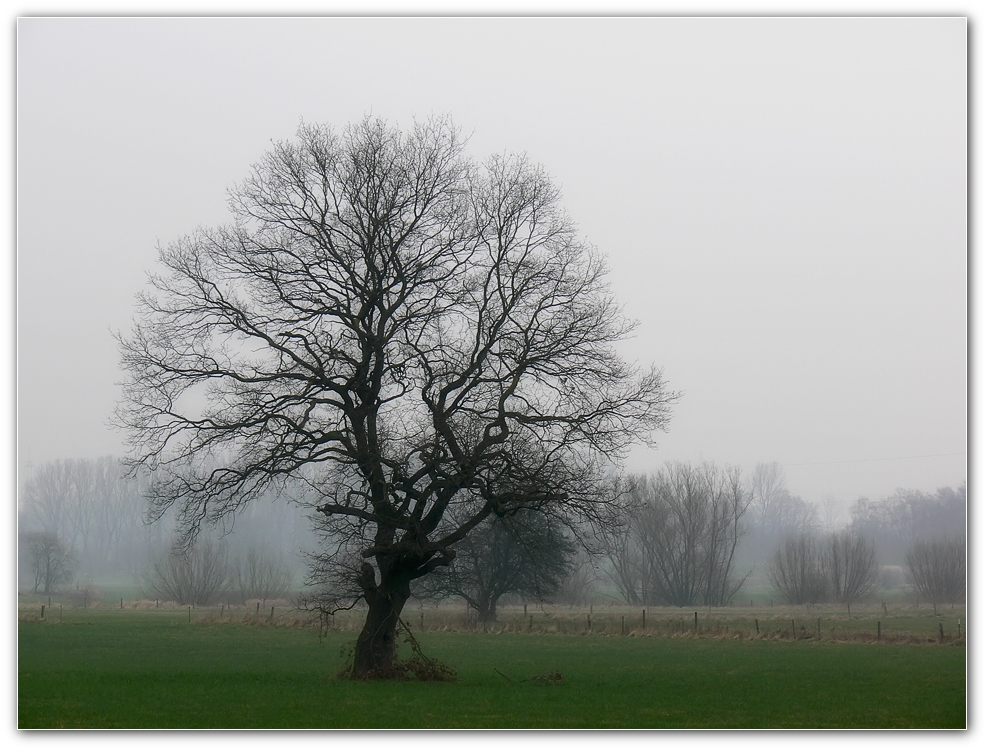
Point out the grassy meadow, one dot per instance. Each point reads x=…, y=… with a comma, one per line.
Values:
x=148, y=667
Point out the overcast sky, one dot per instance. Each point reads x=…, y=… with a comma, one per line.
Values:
x=783, y=203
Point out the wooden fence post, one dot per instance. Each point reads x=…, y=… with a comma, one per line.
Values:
x=793, y=623
x=756, y=626
x=644, y=619
x=941, y=632
x=623, y=624
x=189, y=614
x=879, y=630
x=42, y=612
x=695, y=621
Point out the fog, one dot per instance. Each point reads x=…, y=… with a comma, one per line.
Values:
x=783, y=204
x=94, y=516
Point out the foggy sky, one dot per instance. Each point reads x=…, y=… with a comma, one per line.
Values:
x=782, y=202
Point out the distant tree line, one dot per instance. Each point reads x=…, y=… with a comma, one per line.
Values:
x=896, y=523
x=684, y=535
x=923, y=533
x=88, y=506
x=81, y=520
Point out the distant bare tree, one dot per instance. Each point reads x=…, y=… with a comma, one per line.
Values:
x=525, y=554
x=619, y=545
x=46, y=497
x=850, y=566
x=678, y=543
x=92, y=506
x=51, y=562
x=768, y=486
x=197, y=574
x=259, y=574
x=576, y=588
x=829, y=508
x=774, y=511
x=775, y=514
x=118, y=529
x=808, y=568
x=797, y=571
x=937, y=570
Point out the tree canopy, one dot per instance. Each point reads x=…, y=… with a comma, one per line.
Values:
x=416, y=340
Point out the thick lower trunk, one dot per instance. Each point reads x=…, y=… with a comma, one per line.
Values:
x=375, y=649
x=486, y=609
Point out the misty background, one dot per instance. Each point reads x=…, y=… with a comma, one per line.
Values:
x=783, y=204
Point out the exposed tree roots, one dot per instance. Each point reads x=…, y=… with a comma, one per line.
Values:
x=417, y=666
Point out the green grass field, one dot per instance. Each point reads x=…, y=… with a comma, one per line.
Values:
x=132, y=669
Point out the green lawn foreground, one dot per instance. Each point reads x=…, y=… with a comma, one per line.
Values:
x=156, y=670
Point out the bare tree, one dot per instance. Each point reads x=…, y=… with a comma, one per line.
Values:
x=937, y=570
x=678, y=542
x=690, y=527
x=525, y=554
x=774, y=511
x=775, y=514
x=797, y=571
x=809, y=568
x=196, y=574
x=259, y=574
x=622, y=562
x=46, y=496
x=828, y=506
x=577, y=587
x=768, y=487
x=93, y=507
x=850, y=566
x=421, y=341
x=118, y=525
x=52, y=562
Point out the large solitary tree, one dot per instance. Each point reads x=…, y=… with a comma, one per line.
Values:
x=419, y=341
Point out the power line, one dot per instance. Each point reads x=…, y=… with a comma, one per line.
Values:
x=876, y=459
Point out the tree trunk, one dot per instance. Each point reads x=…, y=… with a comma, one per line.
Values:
x=375, y=649
x=487, y=610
